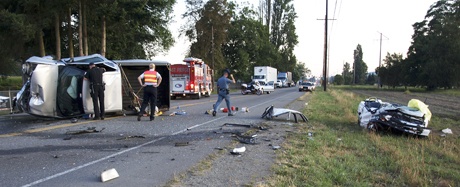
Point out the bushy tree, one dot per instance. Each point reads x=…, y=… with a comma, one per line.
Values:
x=338, y=79
x=208, y=30
x=433, y=56
x=347, y=74
x=360, y=67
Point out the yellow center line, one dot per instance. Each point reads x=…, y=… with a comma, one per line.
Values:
x=49, y=128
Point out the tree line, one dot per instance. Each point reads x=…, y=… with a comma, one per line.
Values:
x=433, y=58
x=226, y=34
x=117, y=29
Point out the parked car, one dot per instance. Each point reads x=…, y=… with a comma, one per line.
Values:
x=306, y=86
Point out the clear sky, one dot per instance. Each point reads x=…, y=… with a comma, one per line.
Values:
x=358, y=22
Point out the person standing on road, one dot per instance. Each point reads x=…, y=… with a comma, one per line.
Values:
x=97, y=87
x=223, y=92
x=152, y=80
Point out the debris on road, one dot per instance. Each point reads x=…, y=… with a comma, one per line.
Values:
x=109, y=175
x=68, y=138
x=447, y=131
x=245, y=109
x=276, y=147
x=74, y=120
x=178, y=113
x=247, y=139
x=89, y=130
x=130, y=137
x=271, y=112
x=179, y=144
x=260, y=127
x=238, y=151
x=237, y=125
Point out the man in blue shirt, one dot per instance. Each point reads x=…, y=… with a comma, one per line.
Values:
x=223, y=92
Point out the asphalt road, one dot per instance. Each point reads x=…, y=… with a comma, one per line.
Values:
x=37, y=152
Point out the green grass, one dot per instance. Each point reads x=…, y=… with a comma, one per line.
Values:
x=341, y=153
x=11, y=83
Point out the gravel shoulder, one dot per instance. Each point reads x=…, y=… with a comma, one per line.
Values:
x=251, y=168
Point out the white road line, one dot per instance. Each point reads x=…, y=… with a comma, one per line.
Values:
x=136, y=147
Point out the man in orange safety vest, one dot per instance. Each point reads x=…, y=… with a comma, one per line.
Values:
x=152, y=79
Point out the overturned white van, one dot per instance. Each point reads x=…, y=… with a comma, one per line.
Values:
x=57, y=88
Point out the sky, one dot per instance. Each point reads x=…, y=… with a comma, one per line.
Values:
x=357, y=22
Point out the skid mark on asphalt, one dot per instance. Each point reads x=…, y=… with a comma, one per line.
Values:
x=137, y=147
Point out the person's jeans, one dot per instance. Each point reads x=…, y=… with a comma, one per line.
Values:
x=220, y=97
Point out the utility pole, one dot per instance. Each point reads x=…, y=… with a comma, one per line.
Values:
x=325, y=49
x=380, y=59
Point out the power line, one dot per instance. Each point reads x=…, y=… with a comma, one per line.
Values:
x=329, y=38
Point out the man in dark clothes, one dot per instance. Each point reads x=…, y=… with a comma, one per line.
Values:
x=94, y=75
x=152, y=79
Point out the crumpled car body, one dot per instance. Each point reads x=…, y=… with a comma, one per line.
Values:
x=376, y=115
x=272, y=112
x=57, y=88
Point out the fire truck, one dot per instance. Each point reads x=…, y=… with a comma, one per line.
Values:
x=194, y=78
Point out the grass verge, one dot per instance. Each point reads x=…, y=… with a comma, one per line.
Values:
x=340, y=153
x=11, y=83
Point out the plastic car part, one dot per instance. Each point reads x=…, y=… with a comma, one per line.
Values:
x=271, y=112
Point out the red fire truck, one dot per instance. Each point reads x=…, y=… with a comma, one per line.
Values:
x=193, y=78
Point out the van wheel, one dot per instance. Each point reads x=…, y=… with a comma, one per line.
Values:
x=173, y=97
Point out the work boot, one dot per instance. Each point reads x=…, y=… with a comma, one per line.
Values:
x=139, y=118
x=230, y=114
x=152, y=118
x=96, y=118
x=213, y=113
